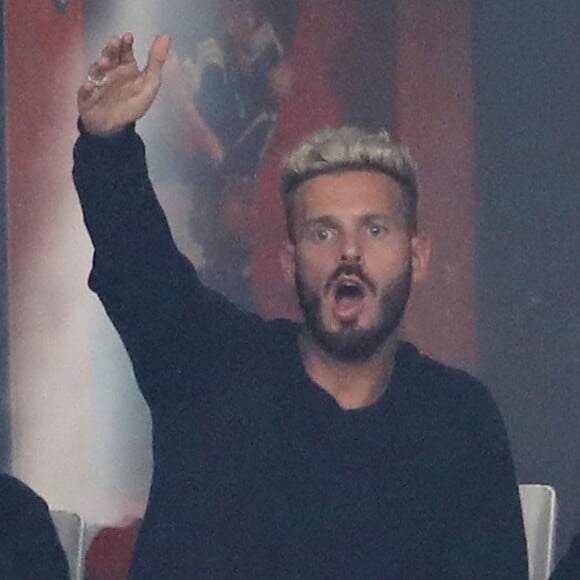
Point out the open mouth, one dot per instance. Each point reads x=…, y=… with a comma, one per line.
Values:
x=348, y=290
x=349, y=295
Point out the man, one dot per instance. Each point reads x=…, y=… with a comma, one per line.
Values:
x=322, y=450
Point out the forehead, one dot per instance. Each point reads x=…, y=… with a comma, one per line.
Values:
x=349, y=193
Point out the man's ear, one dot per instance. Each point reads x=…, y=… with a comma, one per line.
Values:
x=287, y=255
x=420, y=256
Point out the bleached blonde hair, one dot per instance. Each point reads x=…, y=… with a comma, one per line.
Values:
x=338, y=149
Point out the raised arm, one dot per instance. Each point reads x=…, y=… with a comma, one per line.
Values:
x=151, y=292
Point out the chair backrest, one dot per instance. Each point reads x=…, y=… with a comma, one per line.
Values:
x=70, y=528
x=539, y=509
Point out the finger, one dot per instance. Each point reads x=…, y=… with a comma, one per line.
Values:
x=108, y=60
x=85, y=91
x=126, y=49
x=158, y=54
x=98, y=70
x=112, y=49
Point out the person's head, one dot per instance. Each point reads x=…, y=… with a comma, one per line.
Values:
x=241, y=18
x=353, y=247
x=338, y=149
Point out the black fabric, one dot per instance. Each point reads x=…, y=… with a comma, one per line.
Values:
x=258, y=473
x=29, y=545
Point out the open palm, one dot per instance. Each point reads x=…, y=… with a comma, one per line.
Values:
x=116, y=92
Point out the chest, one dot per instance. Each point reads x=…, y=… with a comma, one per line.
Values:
x=294, y=476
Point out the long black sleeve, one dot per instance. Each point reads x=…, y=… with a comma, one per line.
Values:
x=150, y=291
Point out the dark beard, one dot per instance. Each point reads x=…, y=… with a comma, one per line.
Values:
x=355, y=343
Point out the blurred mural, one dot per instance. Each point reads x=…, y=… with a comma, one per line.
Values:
x=246, y=80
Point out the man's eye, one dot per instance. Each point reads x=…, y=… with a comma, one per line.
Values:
x=322, y=234
x=376, y=230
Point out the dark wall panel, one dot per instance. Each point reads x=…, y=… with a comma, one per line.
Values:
x=527, y=57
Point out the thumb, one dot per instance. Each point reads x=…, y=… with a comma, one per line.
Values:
x=158, y=54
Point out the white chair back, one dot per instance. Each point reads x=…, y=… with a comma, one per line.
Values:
x=70, y=528
x=539, y=509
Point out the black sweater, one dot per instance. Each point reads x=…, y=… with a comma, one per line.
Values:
x=258, y=473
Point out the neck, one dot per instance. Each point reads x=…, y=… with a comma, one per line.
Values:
x=353, y=384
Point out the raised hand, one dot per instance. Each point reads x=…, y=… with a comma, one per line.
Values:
x=116, y=92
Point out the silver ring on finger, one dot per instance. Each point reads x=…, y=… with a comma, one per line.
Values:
x=97, y=82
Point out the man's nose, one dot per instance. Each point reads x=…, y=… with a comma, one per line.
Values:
x=351, y=250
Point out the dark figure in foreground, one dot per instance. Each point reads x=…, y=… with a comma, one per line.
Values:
x=328, y=449
x=29, y=545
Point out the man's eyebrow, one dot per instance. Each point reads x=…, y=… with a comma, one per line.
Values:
x=371, y=217
x=331, y=222
x=324, y=220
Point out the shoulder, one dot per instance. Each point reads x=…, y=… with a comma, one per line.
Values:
x=10, y=484
x=14, y=493
x=436, y=377
x=28, y=537
x=445, y=390
x=269, y=342
x=20, y=506
x=283, y=330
